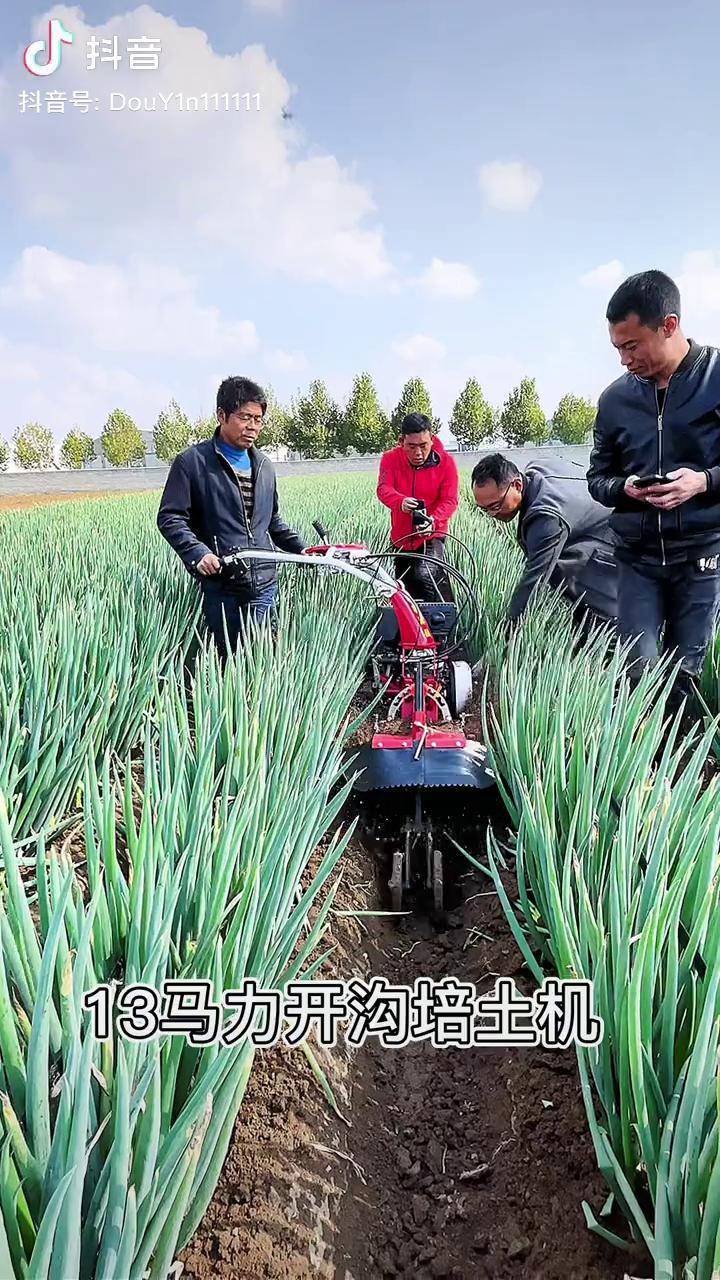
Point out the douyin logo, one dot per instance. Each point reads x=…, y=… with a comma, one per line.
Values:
x=42, y=57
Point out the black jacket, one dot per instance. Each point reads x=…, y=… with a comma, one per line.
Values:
x=202, y=511
x=566, y=539
x=632, y=437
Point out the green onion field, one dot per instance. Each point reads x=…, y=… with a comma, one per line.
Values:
x=161, y=819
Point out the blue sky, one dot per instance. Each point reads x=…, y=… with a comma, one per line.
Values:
x=458, y=190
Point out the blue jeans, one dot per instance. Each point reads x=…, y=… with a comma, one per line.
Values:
x=668, y=607
x=225, y=611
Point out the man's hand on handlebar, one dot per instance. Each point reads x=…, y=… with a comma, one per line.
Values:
x=208, y=565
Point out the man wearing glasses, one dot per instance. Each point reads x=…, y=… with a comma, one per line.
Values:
x=565, y=536
x=221, y=495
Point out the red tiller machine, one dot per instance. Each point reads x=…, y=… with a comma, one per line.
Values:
x=417, y=661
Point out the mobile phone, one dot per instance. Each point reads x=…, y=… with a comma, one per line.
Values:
x=644, y=482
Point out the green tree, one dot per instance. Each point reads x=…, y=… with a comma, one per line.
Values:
x=276, y=423
x=34, y=447
x=122, y=441
x=203, y=429
x=573, y=420
x=314, y=425
x=522, y=420
x=365, y=425
x=4, y=455
x=172, y=433
x=414, y=399
x=473, y=420
x=76, y=449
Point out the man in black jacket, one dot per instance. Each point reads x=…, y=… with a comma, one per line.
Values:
x=564, y=535
x=661, y=419
x=221, y=495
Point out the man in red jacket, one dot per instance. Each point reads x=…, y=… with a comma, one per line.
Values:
x=419, y=473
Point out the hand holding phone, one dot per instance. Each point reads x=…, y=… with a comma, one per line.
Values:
x=641, y=488
x=677, y=487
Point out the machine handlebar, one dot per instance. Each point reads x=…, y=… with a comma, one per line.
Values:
x=414, y=631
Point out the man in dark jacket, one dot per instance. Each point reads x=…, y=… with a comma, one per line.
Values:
x=661, y=419
x=221, y=495
x=564, y=535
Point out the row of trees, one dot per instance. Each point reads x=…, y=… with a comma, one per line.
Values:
x=33, y=449
x=521, y=420
x=314, y=426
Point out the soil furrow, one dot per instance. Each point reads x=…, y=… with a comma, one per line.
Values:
x=457, y=1162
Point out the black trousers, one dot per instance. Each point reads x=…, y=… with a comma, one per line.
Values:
x=424, y=581
x=665, y=608
x=587, y=623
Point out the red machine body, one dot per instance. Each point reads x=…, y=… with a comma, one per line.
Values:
x=416, y=640
x=424, y=684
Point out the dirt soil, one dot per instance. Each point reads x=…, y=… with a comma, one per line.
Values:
x=470, y=723
x=456, y=1162
x=21, y=501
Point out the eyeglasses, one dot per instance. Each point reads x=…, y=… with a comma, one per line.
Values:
x=247, y=418
x=494, y=507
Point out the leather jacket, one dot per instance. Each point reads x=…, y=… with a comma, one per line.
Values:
x=637, y=435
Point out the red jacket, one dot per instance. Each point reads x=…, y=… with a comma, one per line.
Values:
x=436, y=482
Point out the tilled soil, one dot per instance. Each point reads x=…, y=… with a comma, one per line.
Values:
x=21, y=501
x=456, y=1162
x=470, y=723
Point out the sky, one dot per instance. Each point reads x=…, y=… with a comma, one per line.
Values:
x=441, y=188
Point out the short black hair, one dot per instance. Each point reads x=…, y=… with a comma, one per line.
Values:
x=413, y=423
x=233, y=393
x=494, y=466
x=650, y=295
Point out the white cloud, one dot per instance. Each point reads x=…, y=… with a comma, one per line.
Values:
x=699, y=279
x=278, y=361
x=118, y=316
x=607, y=276
x=187, y=183
x=63, y=390
x=135, y=308
x=699, y=284
x=511, y=186
x=268, y=6
x=17, y=366
x=418, y=349
x=449, y=280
